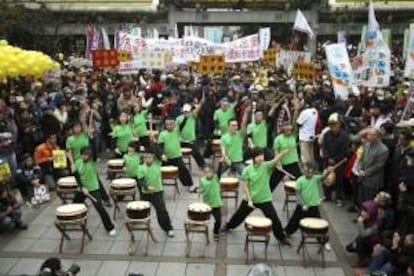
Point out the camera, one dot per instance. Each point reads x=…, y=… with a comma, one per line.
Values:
x=53, y=267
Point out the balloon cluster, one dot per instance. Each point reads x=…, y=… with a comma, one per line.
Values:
x=19, y=62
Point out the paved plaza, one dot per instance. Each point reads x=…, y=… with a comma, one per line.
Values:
x=23, y=252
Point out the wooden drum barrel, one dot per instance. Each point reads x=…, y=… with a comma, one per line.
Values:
x=198, y=211
x=138, y=209
x=71, y=212
x=169, y=171
x=258, y=225
x=314, y=225
x=229, y=184
x=67, y=184
x=116, y=164
x=290, y=187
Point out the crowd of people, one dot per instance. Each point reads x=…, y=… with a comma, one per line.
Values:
x=288, y=128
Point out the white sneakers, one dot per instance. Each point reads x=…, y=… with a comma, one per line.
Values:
x=328, y=247
x=112, y=232
x=170, y=234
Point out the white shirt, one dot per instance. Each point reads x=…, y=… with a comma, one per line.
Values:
x=307, y=120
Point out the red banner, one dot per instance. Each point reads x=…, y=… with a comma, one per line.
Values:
x=105, y=58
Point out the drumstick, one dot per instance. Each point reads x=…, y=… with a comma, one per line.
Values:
x=91, y=197
x=339, y=163
x=279, y=168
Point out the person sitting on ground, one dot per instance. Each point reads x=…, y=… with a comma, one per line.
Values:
x=10, y=214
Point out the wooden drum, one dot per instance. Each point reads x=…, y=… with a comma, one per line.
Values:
x=186, y=151
x=71, y=212
x=216, y=145
x=169, y=171
x=138, y=209
x=258, y=225
x=290, y=187
x=229, y=184
x=123, y=184
x=198, y=211
x=314, y=226
x=116, y=164
x=67, y=184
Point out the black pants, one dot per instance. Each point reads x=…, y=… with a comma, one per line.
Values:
x=293, y=224
x=195, y=152
x=104, y=193
x=234, y=167
x=106, y=220
x=157, y=200
x=144, y=141
x=268, y=210
x=277, y=175
x=217, y=220
x=183, y=173
x=339, y=184
x=364, y=246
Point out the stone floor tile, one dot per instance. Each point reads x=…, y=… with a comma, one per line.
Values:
x=148, y=269
x=6, y=265
x=19, y=245
x=329, y=271
x=200, y=269
x=88, y=267
x=45, y=246
x=33, y=232
x=175, y=249
x=236, y=251
x=298, y=270
x=171, y=269
x=119, y=248
x=26, y=266
x=111, y=268
x=98, y=247
x=237, y=270
x=197, y=250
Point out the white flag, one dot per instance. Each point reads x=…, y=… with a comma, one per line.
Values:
x=105, y=39
x=264, y=39
x=372, y=20
x=302, y=25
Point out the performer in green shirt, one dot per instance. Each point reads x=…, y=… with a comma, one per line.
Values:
x=150, y=182
x=309, y=196
x=139, y=125
x=257, y=134
x=290, y=162
x=169, y=142
x=86, y=175
x=258, y=195
x=187, y=125
x=123, y=134
x=223, y=115
x=210, y=190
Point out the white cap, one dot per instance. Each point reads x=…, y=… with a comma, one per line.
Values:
x=186, y=107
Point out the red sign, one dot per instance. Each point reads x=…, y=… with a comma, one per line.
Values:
x=105, y=58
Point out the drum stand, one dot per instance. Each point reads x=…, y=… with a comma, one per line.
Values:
x=187, y=159
x=139, y=225
x=191, y=226
x=320, y=238
x=113, y=173
x=171, y=181
x=255, y=238
x=72, y=226
x=66, y=194
x=290, y=197
x=119, y=196
x=230, y=194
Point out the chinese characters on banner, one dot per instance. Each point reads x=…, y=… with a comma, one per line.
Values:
x=211, y=65
x=269, y=56
x=147, y=61
x=59, y=159
x=105, y=58
x=287, y=59
x=340, y=69
x=304, y=71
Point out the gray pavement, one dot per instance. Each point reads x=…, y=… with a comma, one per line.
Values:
x=23, y=252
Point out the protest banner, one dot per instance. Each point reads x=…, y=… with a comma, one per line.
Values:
x=212, y=64
x=244, y=49
x=124, y=56
x=105, y=58
x=264, y=38
x=340, y=69
x=287, y=59
x=144, y=61
x=409, y=63
x=304, y=71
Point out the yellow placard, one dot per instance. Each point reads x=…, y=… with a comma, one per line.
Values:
x=59, y=159
x=211, y=64
x=124, y=56
x=269, y=56
x=4, y=171
x=304, y=71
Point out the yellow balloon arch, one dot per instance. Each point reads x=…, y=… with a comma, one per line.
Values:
x=19, y=62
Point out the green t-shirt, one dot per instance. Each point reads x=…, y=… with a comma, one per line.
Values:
x=188, y=132
x=309, y=190
x=284, y=142
x=258, y=178
x=76, y=143
x=88, y=174
x=171, y=141
x=140, y=124
x=233, y=143
x=123, y=135
x=153, y=177
x=258, y=131
x=131, y=161
x=211, y=191
x=223, y=118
